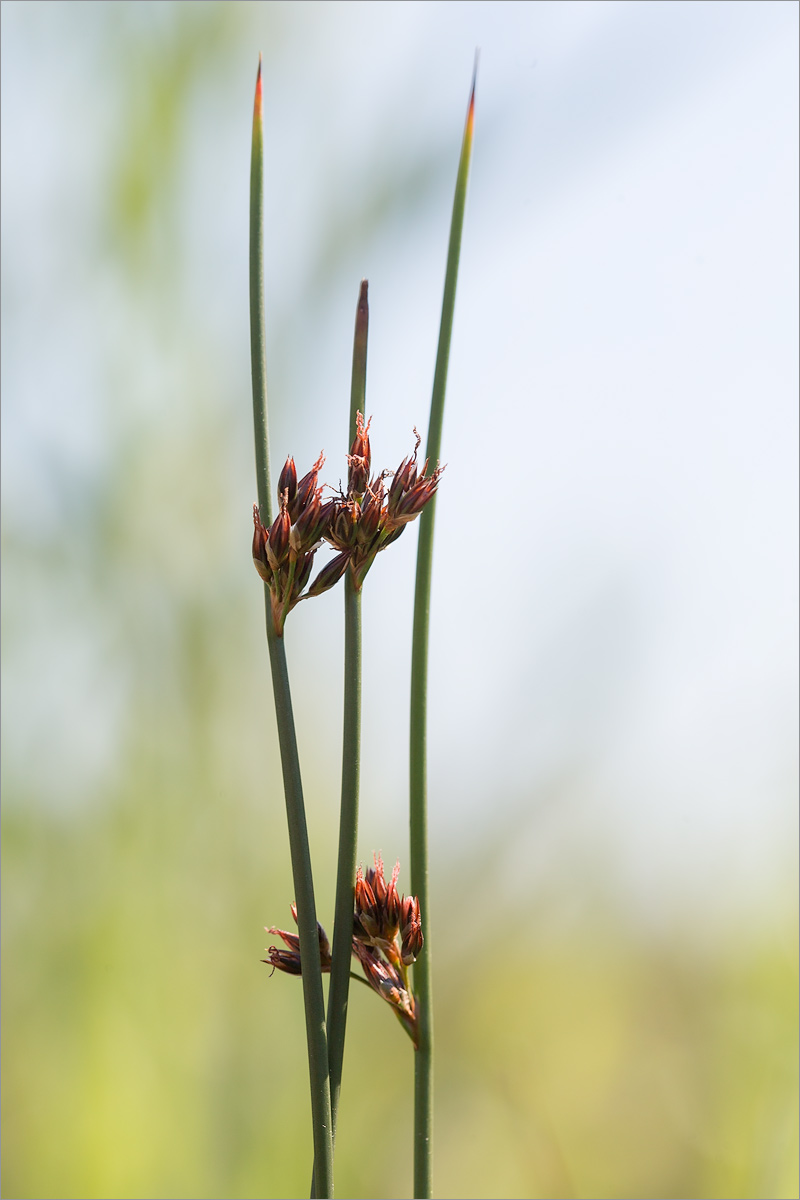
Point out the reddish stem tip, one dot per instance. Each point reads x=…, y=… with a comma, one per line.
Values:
x=471, y=107
x=363, y=302
x=258, y=102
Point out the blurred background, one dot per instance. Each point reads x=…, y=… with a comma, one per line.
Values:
x=613, y=700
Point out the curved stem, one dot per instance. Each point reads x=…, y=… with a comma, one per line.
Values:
x=418, y=811
x=293, y=789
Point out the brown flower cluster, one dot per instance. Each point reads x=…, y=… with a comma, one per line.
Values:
x=357, y=523
x=387, y=940
x=284, y=553
x=368, y=517
x=289, y=960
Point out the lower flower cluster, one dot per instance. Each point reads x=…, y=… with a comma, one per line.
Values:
x=387, y=940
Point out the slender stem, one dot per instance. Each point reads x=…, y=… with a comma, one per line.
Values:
x=351, y=759
x=339, y=991
x=423, y=1059
x=348, y=833
x=306, y=918
x=293, y=789
x=258, y=354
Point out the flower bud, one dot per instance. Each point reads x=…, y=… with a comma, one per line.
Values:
x=377, y=882
x=260, y=559
x=360, y=446
x=359, y=459
x=287, y=481
x=305, y=525
x=327, y=512
x=330, y=574
x=412, y=939
x=407, y=910
x=404, y=478
x=302, y=573
x=279, y=535
x=289, y=960
x=391, y=909
x=291, y=939
x=344, y=524
x=306, y=489
x=312, y=523
x=371, y=512
x=364, y=896
x=284, y=960
x=409, y=504
x=324, y=944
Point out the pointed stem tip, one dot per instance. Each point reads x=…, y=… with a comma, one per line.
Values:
x=471, y=106
x=257, y=108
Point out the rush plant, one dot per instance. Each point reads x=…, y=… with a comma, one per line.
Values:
x=387, y=933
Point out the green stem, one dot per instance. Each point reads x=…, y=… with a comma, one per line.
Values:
x=313, y=999
x=339, y=991
x=348, y=833
x=258, y=355
x=358, y=378
x=418, y=815
x=351, y=758
x=293, y=789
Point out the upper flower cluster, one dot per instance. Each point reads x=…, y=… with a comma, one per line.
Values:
x=358, y=523
x=369, y=516
x=284, y=554
x=387, y=939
